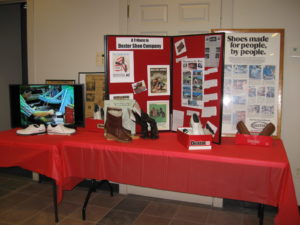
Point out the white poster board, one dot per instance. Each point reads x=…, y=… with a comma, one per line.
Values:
x=252, y=79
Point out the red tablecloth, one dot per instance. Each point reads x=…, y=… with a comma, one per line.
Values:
x=38, y=153
x=257, y=174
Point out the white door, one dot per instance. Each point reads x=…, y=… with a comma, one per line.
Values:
x=173, y=17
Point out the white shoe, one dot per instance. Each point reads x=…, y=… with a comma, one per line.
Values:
x=32, y=129
x=60, y=129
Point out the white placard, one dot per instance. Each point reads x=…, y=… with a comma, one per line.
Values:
x=210, y=83
x=139, y=43
x=209, y=112
x=210, y=97
x=211, y=70
x=177, y=119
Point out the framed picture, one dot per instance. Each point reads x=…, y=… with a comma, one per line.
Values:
x=94, y=90
x=253, y=77
x=60, y=81
x=158, y=80
x=159, y=111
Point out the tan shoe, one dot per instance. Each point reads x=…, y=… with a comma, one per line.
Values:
x=32, y=129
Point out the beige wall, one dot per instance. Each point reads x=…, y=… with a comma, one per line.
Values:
x=280, y=14
x=65, y=36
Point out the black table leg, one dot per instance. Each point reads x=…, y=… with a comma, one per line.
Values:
x=86, y=201
x=109, y=185
x=55, y=201
x=93, y=187
x=260, y=213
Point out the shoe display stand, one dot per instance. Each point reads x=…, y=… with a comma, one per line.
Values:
x=192, y=71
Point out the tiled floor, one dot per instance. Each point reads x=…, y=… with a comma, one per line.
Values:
x=23, y=201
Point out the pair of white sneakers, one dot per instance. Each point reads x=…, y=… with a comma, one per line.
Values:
x=35, y=129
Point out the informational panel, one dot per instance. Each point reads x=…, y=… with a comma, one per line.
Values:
x=253, y=71
x=198, y=80
x=171, y=77
x=138, y=67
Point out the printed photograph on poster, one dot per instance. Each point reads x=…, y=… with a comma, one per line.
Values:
x=269, y=72
x=124, y=96
x=158, y=80
x=252, y=79
x=139, y=87
x=159, y=111
x=212, y=50
x=192, y=79
x=121, y=66
x=180, y=47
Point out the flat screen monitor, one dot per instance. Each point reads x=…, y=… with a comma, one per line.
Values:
x=48, y=104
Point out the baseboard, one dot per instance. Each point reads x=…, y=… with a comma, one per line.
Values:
x=171, y=195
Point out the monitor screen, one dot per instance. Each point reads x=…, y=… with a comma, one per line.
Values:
x=44, y=103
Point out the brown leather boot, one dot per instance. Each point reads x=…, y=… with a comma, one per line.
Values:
x=117, y=111
x=113, y=126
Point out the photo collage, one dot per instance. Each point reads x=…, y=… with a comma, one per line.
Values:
x=192, y=82
x=249, y=93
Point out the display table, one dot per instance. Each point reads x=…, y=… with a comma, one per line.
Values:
x=256, y=174
x=38, y=153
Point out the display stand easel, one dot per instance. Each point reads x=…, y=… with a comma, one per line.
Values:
x=192, y=66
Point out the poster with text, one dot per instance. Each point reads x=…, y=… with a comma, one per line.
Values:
x=121, y=66
x=252, y=80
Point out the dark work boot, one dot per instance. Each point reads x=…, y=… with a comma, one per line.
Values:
x=143, y=125
x=154, y=130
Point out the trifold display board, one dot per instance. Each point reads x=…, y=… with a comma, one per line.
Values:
x=171, y=77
